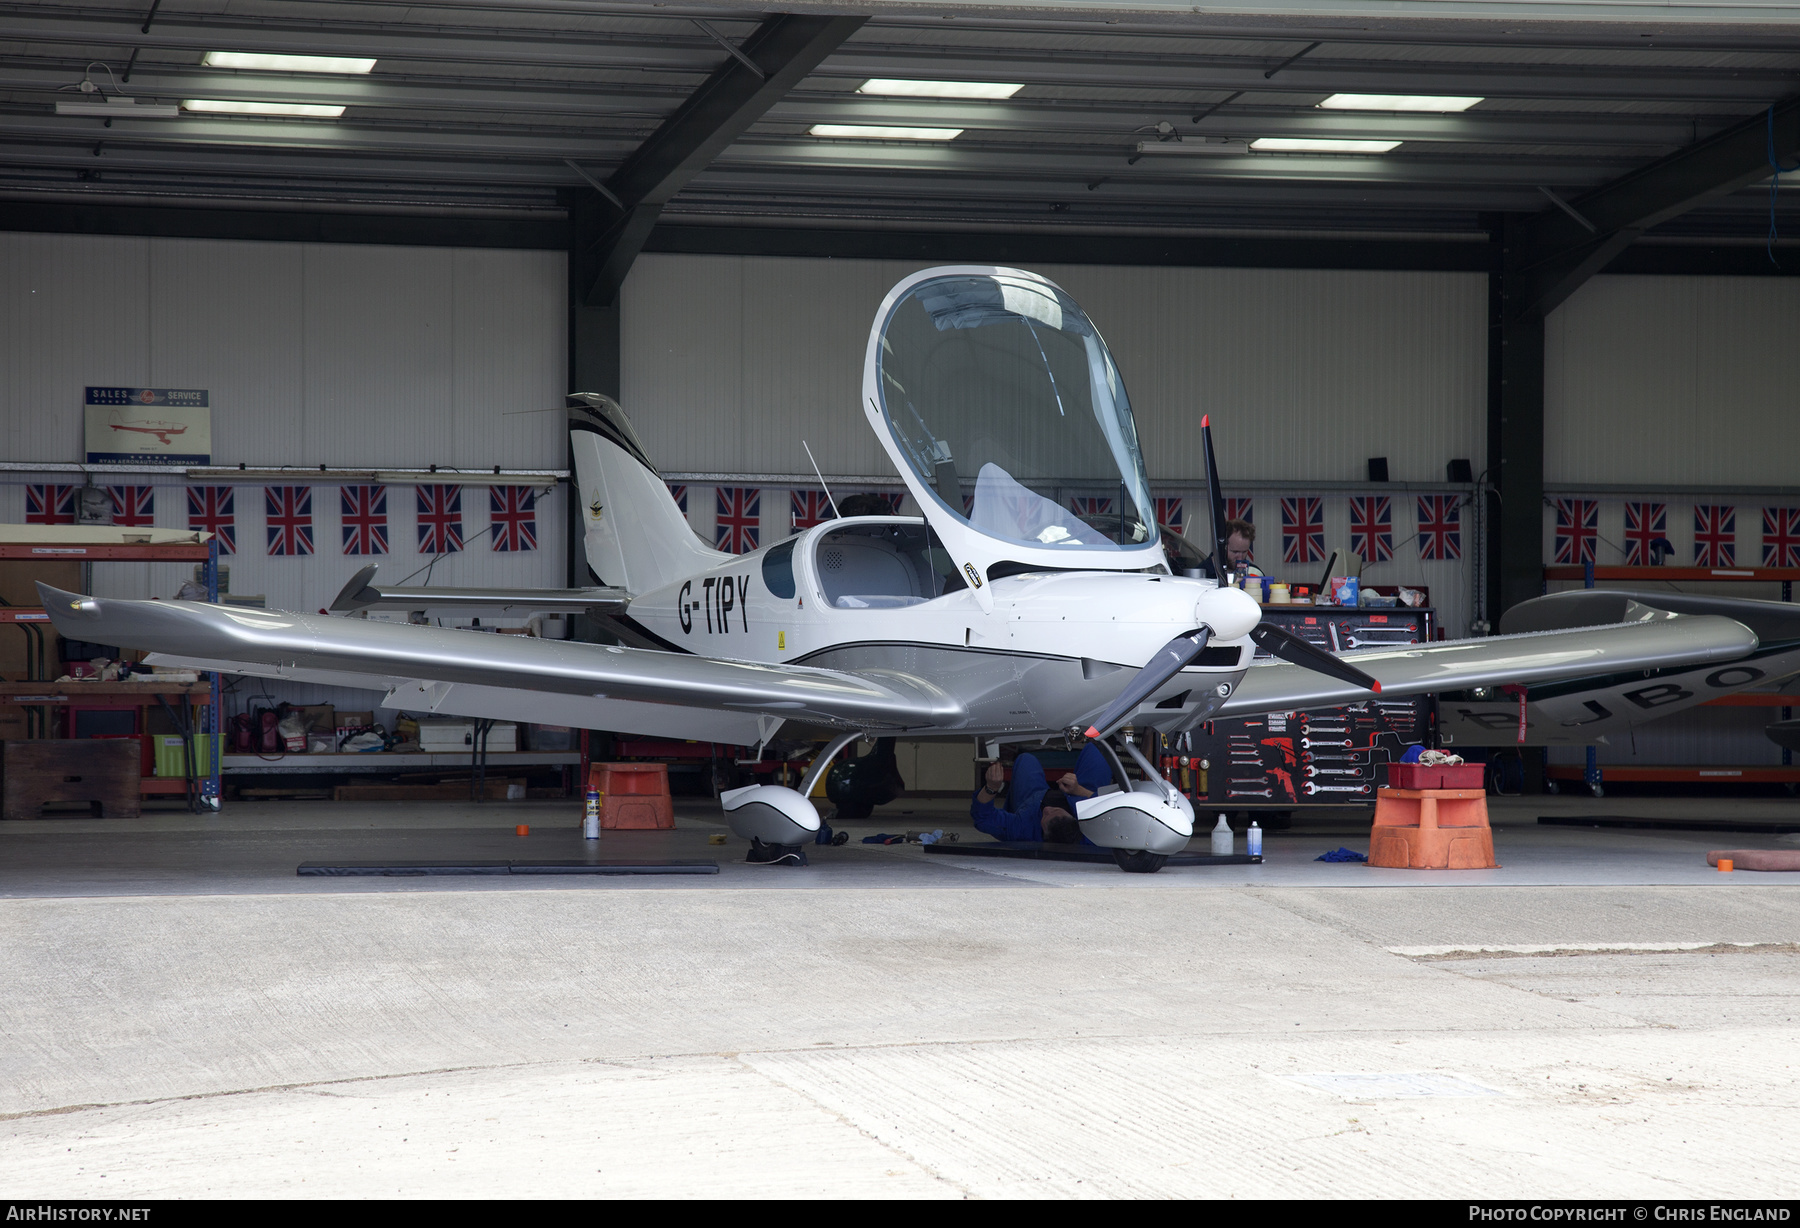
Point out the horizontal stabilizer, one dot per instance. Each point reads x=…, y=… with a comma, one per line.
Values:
x=362, y=593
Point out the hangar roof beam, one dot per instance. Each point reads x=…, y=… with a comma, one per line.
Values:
x=1556, y=254
x=786, y=48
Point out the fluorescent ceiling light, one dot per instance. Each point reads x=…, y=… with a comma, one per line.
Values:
x=938, y=89
x=1298, y=144
x=119, y=107
x=307, y=109
x=286, y=63
x=877, y=132
x=1397, y=102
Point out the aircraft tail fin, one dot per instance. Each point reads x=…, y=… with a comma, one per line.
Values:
x=636, y=537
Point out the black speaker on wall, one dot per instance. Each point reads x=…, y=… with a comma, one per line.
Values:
x=1378, y=469
x=1459, y=471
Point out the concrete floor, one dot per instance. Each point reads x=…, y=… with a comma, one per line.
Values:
x=180, y=1015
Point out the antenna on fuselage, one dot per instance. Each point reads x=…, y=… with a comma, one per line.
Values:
x=821, y=477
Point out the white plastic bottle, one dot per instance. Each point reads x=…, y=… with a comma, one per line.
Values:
x=1221, y=838
x=1253, y=840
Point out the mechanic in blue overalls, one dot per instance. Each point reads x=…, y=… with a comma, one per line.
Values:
x=1039, y=812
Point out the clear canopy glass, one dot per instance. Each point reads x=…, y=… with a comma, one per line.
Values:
x=1007, y=404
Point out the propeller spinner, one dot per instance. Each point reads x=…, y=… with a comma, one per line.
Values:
x=1225, y=613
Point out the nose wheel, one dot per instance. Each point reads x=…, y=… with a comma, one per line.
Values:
x=1137, y=861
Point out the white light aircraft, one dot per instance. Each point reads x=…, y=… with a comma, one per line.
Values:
x=997, y=614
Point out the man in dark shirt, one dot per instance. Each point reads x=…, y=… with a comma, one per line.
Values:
x=1039, y=812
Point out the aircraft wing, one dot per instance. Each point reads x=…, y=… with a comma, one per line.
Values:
x=436, y=660
x=361, y=593
x=1500, y=660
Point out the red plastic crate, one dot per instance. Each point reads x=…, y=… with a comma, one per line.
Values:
x=1418, y=776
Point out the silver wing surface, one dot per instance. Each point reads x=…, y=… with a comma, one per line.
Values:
x=437, y=665
x=1657, y=640
x=362, y=593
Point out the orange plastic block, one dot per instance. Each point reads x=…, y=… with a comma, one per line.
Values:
x=633, y=796
x=1432, y=829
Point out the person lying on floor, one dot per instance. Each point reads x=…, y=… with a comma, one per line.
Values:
x=1039, y=812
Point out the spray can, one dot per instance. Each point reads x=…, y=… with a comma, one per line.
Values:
x=1221, y=838
x=1253, y=840
x=590, y=821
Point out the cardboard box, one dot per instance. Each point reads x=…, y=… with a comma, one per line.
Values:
x=355, y=720
x=319, y=718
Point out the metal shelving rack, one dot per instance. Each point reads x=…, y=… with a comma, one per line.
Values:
x=32, y=619
x=1591, y=773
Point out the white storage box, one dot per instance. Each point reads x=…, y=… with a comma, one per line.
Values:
x=440, y=736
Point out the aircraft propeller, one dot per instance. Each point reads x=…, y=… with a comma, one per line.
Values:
x=1230, y=610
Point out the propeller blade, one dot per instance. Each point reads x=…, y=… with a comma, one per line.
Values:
x=1221, y=557
x=1169, y=660
x=1291, y=648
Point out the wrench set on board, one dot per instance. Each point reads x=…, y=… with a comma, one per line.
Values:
x=1330, y=756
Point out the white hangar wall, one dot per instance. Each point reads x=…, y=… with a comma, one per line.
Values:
x=729, y=362
x=312, y=353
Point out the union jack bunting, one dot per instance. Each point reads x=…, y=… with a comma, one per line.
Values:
x=893, y=499
x=287, y=512
x=1440, y=527
x=363, y=511
x=1577, y=530
x=1781, y=537
x=1372, y=527
x=1169, y=511
x=212, y=509
x=968, y=505
x=49, y=505
x=679, y=494
x=513, y=511
x=739, y=526
x=1091, y=505
x=133, y=505
x=1645, y=524
x=440, y=519
x=1302, y=530
x=810, y=507
x=1715, y=535
x=1240, y=509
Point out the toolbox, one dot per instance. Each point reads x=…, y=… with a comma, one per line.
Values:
x=1326, y=756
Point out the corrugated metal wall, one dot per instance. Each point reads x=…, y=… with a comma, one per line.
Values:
x=313, y=354
x=1674, y=380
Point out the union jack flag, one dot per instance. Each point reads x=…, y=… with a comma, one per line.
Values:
x=1781, y=537
x=1240, y=509
x=1645, y=524
x=1715, y=535
x=49, y=505
x=287, y=511
x=739, y=528
x=1302, y=530
x=1440, y=527
x=133, y=505
x=1169, y=511
x=363, y=510
x=968, y=505
x=1091, y=505
x=810, y=507
x=893, y=499
x=1577, y=530
x=513, y=511
x=1372, y=527
x=440, y=519
x=212, y=509
x=679, y=494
